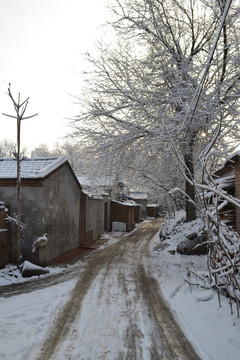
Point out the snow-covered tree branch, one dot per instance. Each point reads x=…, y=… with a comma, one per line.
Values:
x=141, y=89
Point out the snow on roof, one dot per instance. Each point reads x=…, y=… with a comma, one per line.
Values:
x=152, y=205
x=103, y=181
x=30, y=168
x=96, y=186
x=138, y=195
x=93, y=196
x=236, y=153
x=124, y=203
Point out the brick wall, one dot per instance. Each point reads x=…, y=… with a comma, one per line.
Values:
x=237, y=193
x=5, y=242
x=152, y=211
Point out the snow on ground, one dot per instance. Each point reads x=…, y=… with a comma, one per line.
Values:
x=104, y=333
x=12, y=275
x=25, y=319
x=214, y=332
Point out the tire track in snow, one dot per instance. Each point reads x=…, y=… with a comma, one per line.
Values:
x=138, y=322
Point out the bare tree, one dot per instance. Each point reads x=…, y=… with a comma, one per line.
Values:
x=76, y=154
x=8, y=148
x=141, y=90
x=20, y=109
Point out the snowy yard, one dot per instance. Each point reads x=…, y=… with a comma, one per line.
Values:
x=26, y=318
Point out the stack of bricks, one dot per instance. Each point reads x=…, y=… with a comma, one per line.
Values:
x=5, y=243
x=237, y=193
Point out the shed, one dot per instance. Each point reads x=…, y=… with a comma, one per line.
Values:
x=50, y=194
x=152, y=210
x=122, y=214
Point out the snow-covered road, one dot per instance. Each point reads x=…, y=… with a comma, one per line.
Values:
x=112, y=312
x=112, y=308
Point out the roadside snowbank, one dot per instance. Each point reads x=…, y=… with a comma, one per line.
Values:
x=213, y=330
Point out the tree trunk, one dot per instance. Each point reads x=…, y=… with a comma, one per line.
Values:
x=18, y=193
x=190, y=190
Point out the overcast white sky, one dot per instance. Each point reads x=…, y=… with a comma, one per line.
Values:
x=41, y=43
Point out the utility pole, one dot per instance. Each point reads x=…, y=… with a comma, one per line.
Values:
x=20, y=108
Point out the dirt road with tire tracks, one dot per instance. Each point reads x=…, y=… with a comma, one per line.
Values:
x=116, y=310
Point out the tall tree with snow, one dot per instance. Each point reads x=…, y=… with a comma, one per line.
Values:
x=140, y=93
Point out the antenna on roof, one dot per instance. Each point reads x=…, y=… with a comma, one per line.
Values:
x=20, y=108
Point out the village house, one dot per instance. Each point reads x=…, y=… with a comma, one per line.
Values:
x=50, y=204
x=60, y=211
x=96, y=196
x=104, y=207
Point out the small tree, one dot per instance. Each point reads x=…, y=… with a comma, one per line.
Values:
x=20, y=109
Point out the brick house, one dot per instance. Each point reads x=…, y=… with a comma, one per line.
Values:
x=50, y=193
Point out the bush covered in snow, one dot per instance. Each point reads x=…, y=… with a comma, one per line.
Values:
x=222, y=273
x=190, y=238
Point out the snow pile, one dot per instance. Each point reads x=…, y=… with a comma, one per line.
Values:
x=11, y=274
x=29, y=270
x=175, y=232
